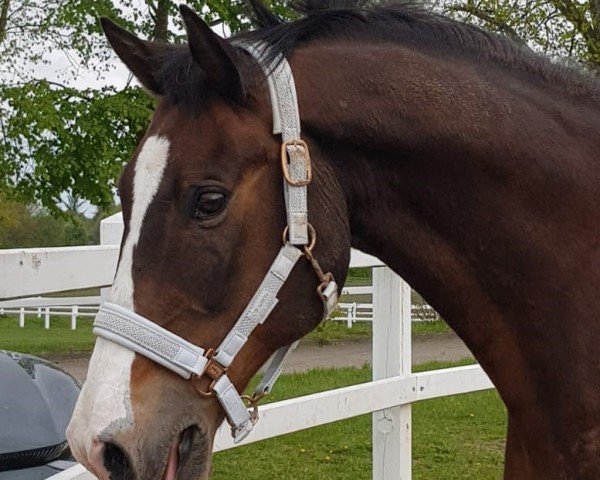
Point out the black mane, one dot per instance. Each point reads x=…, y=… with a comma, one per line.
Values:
x=403, y=23
x=412, y=25
x=358, y=19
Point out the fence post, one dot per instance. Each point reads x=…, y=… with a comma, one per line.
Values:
x=74, y=311
x=39, y=312
x=47, y=318
x=22, y=317
x=392, y=428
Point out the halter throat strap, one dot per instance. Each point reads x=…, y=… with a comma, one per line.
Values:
x=192, y=362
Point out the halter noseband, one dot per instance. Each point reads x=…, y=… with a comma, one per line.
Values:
x=191, y=362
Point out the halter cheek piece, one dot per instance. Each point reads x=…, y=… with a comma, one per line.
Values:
x=191, y=362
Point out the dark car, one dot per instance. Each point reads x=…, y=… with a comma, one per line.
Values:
x=36, y=402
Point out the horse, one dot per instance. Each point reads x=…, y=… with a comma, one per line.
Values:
x=466, y=162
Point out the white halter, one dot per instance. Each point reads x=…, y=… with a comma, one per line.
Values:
x=145, y=337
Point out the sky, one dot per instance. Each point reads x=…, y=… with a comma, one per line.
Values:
x=60, y=69
x=118, y=76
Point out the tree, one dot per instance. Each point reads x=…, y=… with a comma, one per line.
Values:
x=565, y=29
x=59, y=142
x=31, y=226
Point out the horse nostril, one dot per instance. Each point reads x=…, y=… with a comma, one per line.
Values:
x=117, y=463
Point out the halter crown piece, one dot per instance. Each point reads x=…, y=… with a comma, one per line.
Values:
x=192, y=362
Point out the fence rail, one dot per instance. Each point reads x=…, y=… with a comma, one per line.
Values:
x=37, y=271
x=74, y=307
x=351, y=312
x=388, y=397
x=348, y=312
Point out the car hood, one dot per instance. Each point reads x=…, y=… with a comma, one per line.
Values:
x=36, y=402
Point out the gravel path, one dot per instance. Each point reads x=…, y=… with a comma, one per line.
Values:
x=426, y=348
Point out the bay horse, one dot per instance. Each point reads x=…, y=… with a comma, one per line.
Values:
x=467, y=163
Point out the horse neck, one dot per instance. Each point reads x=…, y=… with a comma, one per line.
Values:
x=480, y=189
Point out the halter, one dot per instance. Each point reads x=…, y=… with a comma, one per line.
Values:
x=192, y=362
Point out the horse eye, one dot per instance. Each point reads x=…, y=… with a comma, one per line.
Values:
x=209, y=204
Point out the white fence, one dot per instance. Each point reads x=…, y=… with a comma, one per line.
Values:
x=388, y=397
x=47, y=307
x=350, y=313
x=75, y=307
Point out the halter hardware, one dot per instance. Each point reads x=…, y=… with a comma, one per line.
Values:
x=301, y=180
x=252, y=402
x=134, y=332
x=312, y=235
x=213, y=370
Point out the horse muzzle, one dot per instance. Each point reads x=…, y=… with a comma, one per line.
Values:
x=140, y=422
x=185, y=457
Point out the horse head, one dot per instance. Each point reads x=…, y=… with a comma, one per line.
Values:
x=204, y=213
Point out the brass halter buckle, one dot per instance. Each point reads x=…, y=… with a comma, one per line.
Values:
x=252, y=401
x=285, y=163
x=213, y=370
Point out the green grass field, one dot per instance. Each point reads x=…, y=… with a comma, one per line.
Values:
x=35, y=339
x=60, y=339
x=454, y=438
x=331, y=332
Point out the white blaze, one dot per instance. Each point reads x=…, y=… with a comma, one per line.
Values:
x=105, y=399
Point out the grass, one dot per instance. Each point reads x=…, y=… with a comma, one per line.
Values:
x=61, y=340
x=35, y=339
x=357, y=282
x=430, y=328
x=332, y=332
x=459, y=437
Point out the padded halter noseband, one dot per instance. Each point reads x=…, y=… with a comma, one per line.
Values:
x=192, y=362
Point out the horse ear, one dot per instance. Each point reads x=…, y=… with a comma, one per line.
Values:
x=143, y=58
x=213, y=55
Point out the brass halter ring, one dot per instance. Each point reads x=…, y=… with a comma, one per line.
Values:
x=324, y=278
x=312, y=237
